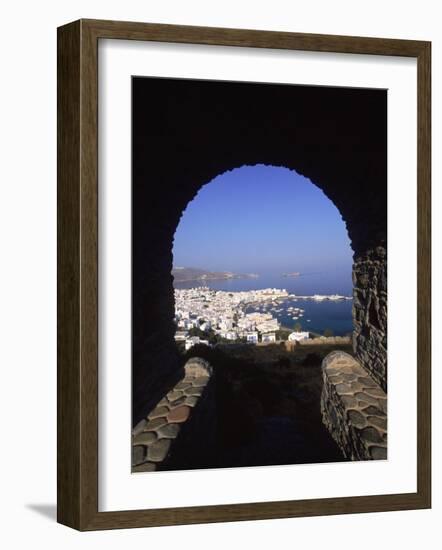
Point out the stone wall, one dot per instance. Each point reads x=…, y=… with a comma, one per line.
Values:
x=354, y=408
x=318, y=342
x=370, y=312
x=325, y=341
x=181, y=422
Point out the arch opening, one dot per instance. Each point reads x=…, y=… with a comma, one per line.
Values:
x=262, y=226
x=263, y=291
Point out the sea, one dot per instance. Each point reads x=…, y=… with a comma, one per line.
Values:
x=317, y=316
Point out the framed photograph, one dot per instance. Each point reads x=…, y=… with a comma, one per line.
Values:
x=243, y=275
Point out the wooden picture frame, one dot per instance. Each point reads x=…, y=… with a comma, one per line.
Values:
x=78, y=274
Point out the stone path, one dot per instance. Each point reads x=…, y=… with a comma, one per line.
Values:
x=153, y=436
x=354, y=408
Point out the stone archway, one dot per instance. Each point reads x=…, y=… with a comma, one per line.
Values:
x=185, y=133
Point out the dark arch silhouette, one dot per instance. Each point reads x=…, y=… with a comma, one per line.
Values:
x=185, y=133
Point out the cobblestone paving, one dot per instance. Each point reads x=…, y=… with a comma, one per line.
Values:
x=354, y=408
x=152, y=437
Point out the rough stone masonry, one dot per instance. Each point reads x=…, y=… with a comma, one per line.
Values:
x=183, y=411
x=354, y=408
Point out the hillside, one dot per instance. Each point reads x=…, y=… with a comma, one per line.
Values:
x=185, y=274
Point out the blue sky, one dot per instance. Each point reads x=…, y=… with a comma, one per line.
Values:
x=262, y=219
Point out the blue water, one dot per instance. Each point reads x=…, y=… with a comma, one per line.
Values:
x=318, y=316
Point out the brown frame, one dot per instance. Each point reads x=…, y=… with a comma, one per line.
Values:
x=77, y=432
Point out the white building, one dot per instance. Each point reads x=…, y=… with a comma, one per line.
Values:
x=268, y=325
x=252, y=337
x=181, y=335
x=225, y=312
x=192, y=341
x=297, y=336
x=229, y=334
x=225, y=324
x=268, y=337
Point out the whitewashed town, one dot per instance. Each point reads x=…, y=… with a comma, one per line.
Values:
x=200, y=312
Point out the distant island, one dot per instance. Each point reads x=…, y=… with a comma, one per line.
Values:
x=185, y=274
